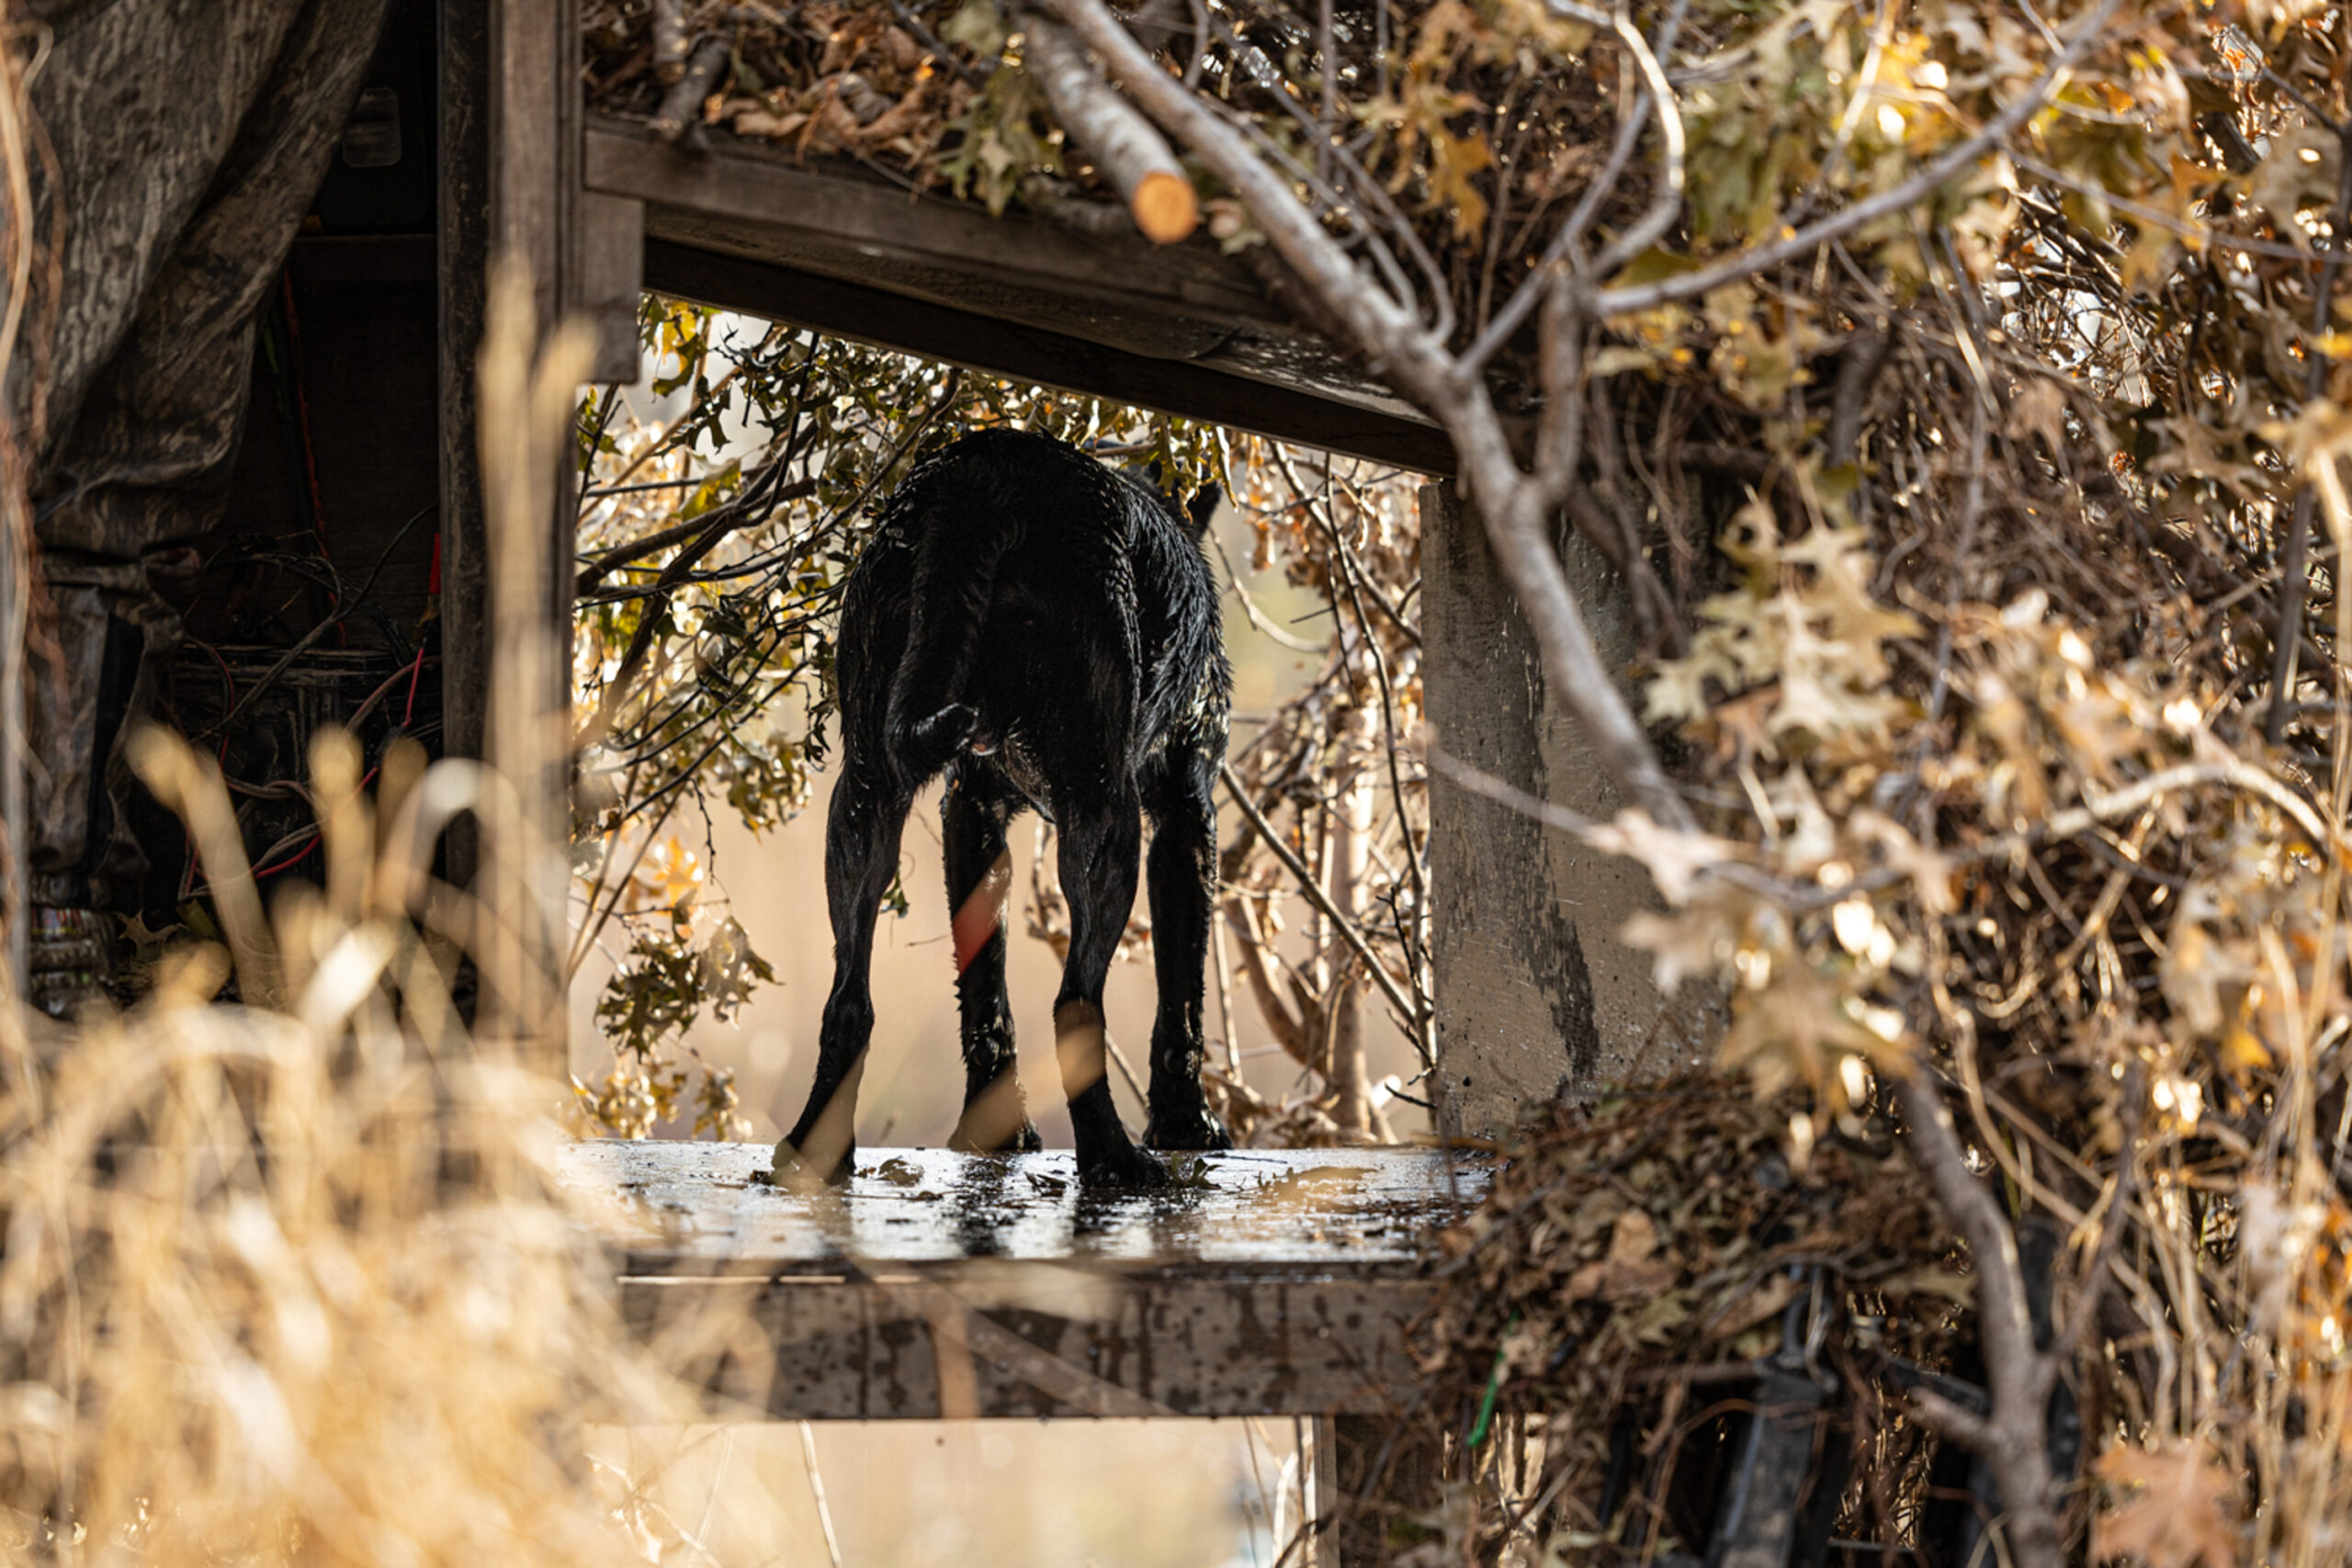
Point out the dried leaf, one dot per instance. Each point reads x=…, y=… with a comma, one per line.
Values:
x=2182, y=1514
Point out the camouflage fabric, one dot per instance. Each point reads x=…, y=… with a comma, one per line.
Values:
x=189, y=137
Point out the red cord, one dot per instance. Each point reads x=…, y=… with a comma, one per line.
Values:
x=294, y=859
x=410, y=712
x=302, y=419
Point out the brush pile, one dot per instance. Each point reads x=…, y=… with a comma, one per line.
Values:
x=945, y=96
x=863, y=82
x=1654, y=1244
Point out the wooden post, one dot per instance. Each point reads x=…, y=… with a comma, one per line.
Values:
x=509, y=190
x=1537, y=998
x=462, y=262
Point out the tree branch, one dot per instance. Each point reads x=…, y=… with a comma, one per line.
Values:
x=1633, y=298
x=2014, y=1437
x=1406, y=1012
x=1120, y=141
x=1389, y=332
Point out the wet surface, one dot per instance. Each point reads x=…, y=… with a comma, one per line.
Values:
x=699, y=1209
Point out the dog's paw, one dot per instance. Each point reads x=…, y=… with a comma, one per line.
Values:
x=1193, y=1130
x=1121, y=1167
x=1022, y=1140
x=787, y=1168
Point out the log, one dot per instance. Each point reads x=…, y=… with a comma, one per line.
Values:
x=669, y=42
x=681, y=107
x=1113, y=133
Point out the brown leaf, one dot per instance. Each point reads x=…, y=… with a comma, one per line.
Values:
x=1754, y=1307
x=1629, y=1269
x=2182, y=1514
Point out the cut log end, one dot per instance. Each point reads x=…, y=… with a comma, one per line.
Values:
x=1165, y=207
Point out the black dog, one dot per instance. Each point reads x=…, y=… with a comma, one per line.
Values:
x=1046, y=632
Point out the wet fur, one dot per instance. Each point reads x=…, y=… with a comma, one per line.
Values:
x=1047, y=633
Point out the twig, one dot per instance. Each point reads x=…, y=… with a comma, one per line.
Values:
x=913, y=26
x=2294, y=574
x=605, y=564
x=1385, y=326
x=1322, y=902
x=817, y=1491
x=2014, y=1439
x=1250, y=607
x=1119, y=139
x=1632, y=297
x=669, y=42
x=2084, y=1317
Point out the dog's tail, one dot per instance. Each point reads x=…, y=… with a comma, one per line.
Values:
x=955, y=562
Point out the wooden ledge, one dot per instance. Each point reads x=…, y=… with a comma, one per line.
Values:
x=939, y=1284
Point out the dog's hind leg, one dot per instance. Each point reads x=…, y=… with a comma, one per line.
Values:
x=869, y=809
x=979, y=875
x=956, y=554
x=1180, y=878
x=1100, y=842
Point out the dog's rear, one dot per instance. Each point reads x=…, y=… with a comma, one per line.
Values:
x=1046, y=632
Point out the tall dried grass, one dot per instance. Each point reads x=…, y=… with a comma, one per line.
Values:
x=293, y=1280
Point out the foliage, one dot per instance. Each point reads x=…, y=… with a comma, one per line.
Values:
x=294, y=1281
x=1659, y=1232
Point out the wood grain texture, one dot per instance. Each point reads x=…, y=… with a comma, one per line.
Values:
x=1247, y=381
x=1283, y=1285
x=756, y=186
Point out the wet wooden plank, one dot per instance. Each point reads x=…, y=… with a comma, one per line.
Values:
x=937, y=1284
x=875, y=1350
x=694, y=1209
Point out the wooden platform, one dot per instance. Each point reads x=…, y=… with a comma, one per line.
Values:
x=1275, y=1283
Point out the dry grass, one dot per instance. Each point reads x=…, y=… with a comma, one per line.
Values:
x=292, y=1280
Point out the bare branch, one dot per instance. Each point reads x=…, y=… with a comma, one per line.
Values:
x=1406, y=1012
x=2015, y=1438
x=1387, y=330
x=1626, y=300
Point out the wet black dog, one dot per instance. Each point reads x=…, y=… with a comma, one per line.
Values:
x=1046, y=632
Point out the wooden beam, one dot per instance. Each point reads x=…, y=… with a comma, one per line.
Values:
x=1169, y=305
x=776, y=201
x=1273, y=1283
x=607, y=280
x=1033, y=354
x=868, y=1349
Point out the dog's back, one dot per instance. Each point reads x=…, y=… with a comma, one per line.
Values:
x=1016, y=586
